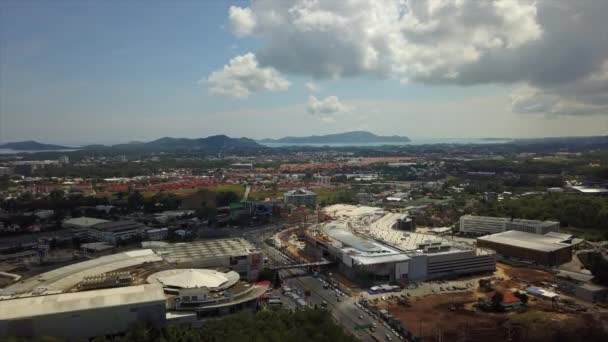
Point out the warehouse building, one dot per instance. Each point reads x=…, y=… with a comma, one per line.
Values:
x=82, y=315
x=112, y=232
x=300, y=197
x=546, y=250
x=80, y=225
x=235, y=254
x=482, y=225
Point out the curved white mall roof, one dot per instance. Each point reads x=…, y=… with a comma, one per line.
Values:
x=191, y=278
x=339, y=232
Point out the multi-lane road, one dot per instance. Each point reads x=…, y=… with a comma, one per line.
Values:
x=342, y=307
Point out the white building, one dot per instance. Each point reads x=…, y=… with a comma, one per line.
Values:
x=80, y=225
x=63, y=160
x=103, y=230
x=300, y=197
x=114, y=232
x=82, y=315
x=483, y=225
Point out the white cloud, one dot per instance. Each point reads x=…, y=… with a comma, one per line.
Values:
x=242, y=21
x=407, y=40
x=243, y=75
x=312, y=87
x=547, y=45
x=585, y=96
x=328, y=105
x=328, y=119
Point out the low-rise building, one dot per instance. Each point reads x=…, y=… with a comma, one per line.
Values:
x=82, y=315
x=116, y=231
x=112, y=232
x=539, y=249
x=481, y=225
x=300, y=197
x=157, y=234
x=80, y=225
x=592, y=292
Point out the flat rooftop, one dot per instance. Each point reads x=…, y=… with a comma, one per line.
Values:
x=63, y=278
x=22, y=308
x=84, y=221
x=526, y=240
x=205, y=249
x=506, y=219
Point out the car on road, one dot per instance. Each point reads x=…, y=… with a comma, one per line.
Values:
x=388, y=337
x=360, y=317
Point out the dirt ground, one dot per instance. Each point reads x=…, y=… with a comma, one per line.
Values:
x=524, y=274
x=450, y=316
x=453, y=317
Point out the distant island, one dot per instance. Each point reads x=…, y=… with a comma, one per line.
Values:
x=31, y=145
x=210, y=144
x=354, y=137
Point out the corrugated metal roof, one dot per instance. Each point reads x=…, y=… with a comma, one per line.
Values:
x=84, y=221
x=78, y=301
x=525, y=240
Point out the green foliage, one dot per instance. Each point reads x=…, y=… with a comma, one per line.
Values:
x=309, y=325
x=275, y=326
x=596, y=263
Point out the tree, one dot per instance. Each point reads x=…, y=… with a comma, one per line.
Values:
x=135, y=200
x=224, y=198
x=497, y=299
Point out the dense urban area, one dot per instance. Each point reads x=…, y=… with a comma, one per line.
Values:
x=502, y=241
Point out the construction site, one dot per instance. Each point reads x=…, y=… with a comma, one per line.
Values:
x=454, y=310
x=368, y=250
x=476, y=301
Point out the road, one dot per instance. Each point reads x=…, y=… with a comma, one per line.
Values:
x=246, y=194
x=345, y=312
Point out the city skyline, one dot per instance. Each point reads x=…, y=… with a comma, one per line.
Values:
x=93, y=72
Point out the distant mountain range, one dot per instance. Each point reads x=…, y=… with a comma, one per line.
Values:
x=31, y=145
x=354, y=137
x=210, y=144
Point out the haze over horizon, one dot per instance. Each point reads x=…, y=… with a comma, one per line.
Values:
x=110, y=72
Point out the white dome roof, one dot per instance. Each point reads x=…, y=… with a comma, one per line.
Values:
x=191, y=278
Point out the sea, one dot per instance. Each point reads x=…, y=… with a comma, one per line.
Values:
x=11, y=151
x=413, y=142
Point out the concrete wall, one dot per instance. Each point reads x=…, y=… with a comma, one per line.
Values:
x=417, y=267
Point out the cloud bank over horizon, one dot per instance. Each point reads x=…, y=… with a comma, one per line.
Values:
x=553, y=53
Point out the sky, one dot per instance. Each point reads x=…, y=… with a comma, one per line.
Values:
x=80, y=72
